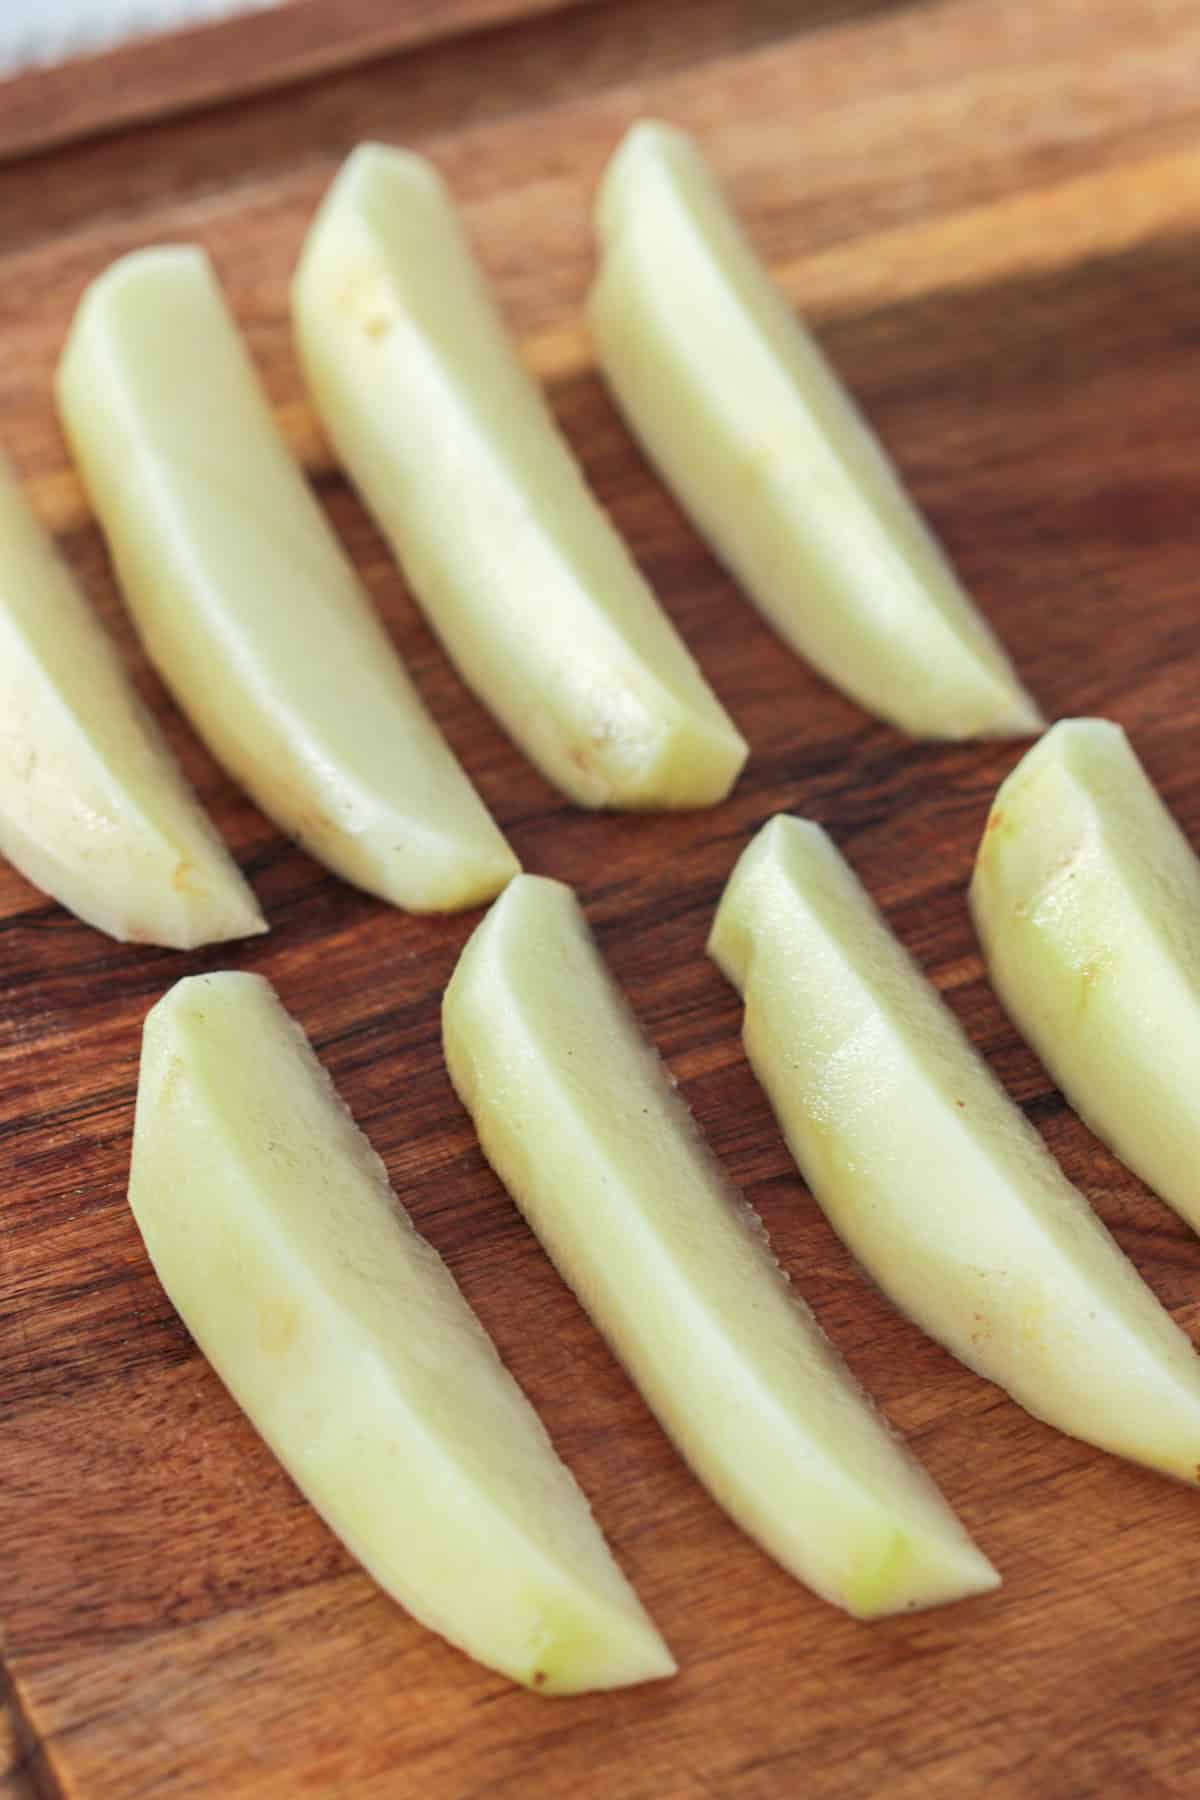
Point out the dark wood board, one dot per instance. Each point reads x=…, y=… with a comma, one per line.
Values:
x=991, y=212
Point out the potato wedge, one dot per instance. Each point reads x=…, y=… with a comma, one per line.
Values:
x=453, y=448
x=580, y=1121
x=1086, y=897
x=93, y=807
x=749, y=425
x=245, y=601
x=342, y=1334
x=936, y=1181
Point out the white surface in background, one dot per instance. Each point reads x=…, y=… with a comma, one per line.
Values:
x=34, y=32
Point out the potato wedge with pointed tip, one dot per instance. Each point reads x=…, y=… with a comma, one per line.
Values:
x=936, y=1181
x=342, y=1334
x=93, y=807
x=245, y=600
x=1086, y=897
x=752, y=430
x=453, y=448
x=578, y=1118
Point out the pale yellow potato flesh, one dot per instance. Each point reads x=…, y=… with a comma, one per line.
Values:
x=927, y=1170
x=749, y=425
x=245, y=600
x=93, y=806
x=449, y=440
x=343, y=1336
x=1086, y=897
x=582, y=1124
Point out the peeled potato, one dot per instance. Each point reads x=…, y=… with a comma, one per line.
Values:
x=245, y=600
x=342, y=1334
x=580, y=1121
x=454, y=450
x=936, y=1181
x=1086, y=896
x=749, y=425
x=93, y=807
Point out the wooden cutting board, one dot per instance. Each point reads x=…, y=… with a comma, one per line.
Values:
x=991, y=212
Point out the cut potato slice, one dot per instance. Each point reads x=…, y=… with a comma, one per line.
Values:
x=93, y=807
x=245, y=600
x=449, y=440
x=273, y=1229
x=1086, y=896
x=927, y=1170
x=747, y=422
x=577, y=1116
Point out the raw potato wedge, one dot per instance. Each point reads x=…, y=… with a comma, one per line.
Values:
x=245, y=601
x=936, y=1181
x=749, y=425
x=341, y=1332
x=455, y=451
x=578, y=1118
x=93, y=807
x=1086, y=896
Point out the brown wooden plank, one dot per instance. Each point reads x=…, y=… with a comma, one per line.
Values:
x=226, y=60
x=439, y=90
x=893, y=178
x=996, y=225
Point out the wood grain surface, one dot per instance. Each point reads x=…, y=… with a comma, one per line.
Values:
x=991, y=210
x=14, y=1783
x=219, y=62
